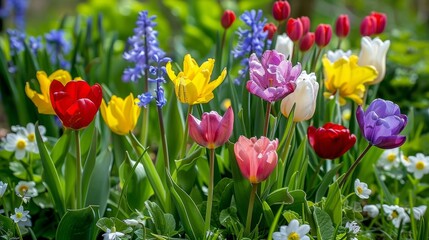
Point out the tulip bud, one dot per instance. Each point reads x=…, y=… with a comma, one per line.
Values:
x=284, y=45
x=323, y=35
x=368, y=26
x=228, y=19
x=281, y=10
x=294, y=29
x=271, y=29
x=306, y=42
x=381, y=21
x=342, y=26
x=373, y=52
x=305, y=21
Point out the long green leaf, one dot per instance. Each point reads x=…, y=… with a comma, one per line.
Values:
x=333, y=204
x=321, y=190
x=78, y=224
x=325, y=230
x=89, y=164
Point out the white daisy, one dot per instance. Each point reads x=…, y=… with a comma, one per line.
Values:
x=292, y=231
x=3, y=187
x=16, y=142
x=112, y=235
x=26, y=190
x=20, y=215
x=371, y=210
x=361, y=189
x=419, y=165
x=396, y=214
x=390, y=158
x=30, y=132
x=353, y=227
x=419, y=211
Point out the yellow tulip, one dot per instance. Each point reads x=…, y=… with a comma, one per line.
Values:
x=42, y=100
x=121, y=115
x=347, y=77
x=193, y=85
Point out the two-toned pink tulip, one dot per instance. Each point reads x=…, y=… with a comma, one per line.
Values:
x=323, y=35
x=213, y=130
x=342, y=26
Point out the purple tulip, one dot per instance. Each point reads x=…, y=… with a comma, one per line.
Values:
x=381, y=124
x=273, y=78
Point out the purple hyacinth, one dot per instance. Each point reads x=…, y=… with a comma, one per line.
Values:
x=57, y=46
x=382, y=123
x=141, y=47
x=272, y=78
x=16, y=41
x=19, y=8
x=250, y=40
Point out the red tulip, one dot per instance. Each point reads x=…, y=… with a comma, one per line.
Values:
x=271, y=29
x=305, y=21
x=306, y=42
x=342, y=26
x=228, y=19
x=294, y=29
x=323, y=35
x=76, y=103
x=381, y=21
x=281, y=10
x=368, y=26
x=213, y=130
x=330, y=141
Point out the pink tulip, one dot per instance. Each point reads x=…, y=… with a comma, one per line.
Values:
x=323, y=35
x=213, y=130
x=256, y=158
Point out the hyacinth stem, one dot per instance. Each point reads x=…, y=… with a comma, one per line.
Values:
x=145, y=125
x=267, y=119
x=163, y=139
x=250, y=209
x=314, y=62
x=185, y=134
x=210, y=193
x=344, y=180
x=78, y=172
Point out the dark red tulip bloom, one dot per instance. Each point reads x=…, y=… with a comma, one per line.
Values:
x=306, y=42
x=330, y=141
x=323, y=35
x=271, y=29
x=281, y=10
x=381, y=21
x=294, y=29
x=305, y=21
x=228, y=19
x=368, y=26
x=76, y=103
x=342, y=26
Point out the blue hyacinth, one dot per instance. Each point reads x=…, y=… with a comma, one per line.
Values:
x=141, y=47
x=250, y=40
x=35, y=43
x=57, y=46
x=19, y=8
x=16, y=41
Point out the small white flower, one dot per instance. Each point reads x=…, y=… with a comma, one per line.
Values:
x=361, y=189
x=419, y=211
x=112, y=235
x=371, y=210
x=333, y=56
x=3, y=187
x=26, y=190
x=284, y=45
x=30, y=133
x=390, y=158
x=419, y=165
x=292, y=231
x=131, y=222
x=16, y=142
x=353, y=227
x=396, y=214
x=20, y=215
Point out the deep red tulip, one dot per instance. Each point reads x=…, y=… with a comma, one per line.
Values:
x=342, y=26
x=305, y=21
x=228, y=19
x=381, y=21
x=281, y=10
x=323, y=35
x=368, y=26
x=306, y=41
x=294, y=29
x=330, y=141
x=76, y=103
x=271, y=29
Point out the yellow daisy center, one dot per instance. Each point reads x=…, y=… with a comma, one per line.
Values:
x=19, y=215
x=21, y=144
x=406, y=158
x=23, y=189
x=31, y=137
x=293, y=236
x=391, y=157
x=420, y=165
x=359, y=189
x=394, y=214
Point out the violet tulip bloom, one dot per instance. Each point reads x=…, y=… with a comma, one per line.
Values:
x=256, y=158
x=381, y=124
x=213, y=130
x=273, y=78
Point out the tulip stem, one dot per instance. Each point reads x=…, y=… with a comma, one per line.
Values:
x=210, y=193
x=267, y=119
x=319, y=166
x=163, y=139
x=314, y=62
x=78, y=172
x=288, y=140
x=339, y=43
x=250, y=209
x=344, y=180
x=185, y=134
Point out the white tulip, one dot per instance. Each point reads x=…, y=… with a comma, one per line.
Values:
x=304, y=97
x=373, y=52
x=284, y=45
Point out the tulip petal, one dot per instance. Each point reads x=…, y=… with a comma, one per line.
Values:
x=224, y=130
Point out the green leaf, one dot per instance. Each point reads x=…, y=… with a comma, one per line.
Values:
x=164, y=223
x=50, y=175
x=333, y=204
x=280, y=196
x=78, y=224
x=268, y=213
x=321, y=190
x=61, y=149
x=273, y=226
x=89, y=165
x=189, y=161
x=325, y=229
x=298, y=164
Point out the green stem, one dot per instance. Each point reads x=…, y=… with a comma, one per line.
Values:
x=145, y=125
x=19, y=231
x=163, y=139
x=250, y=209
x=185, y=134
x=338, y=107
x=339, y=43
x=78, y=172
x=344, y=180
x=210, y=193
x=319, y=166
x=288, y=140
x=267, y=119
x=313, y=64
